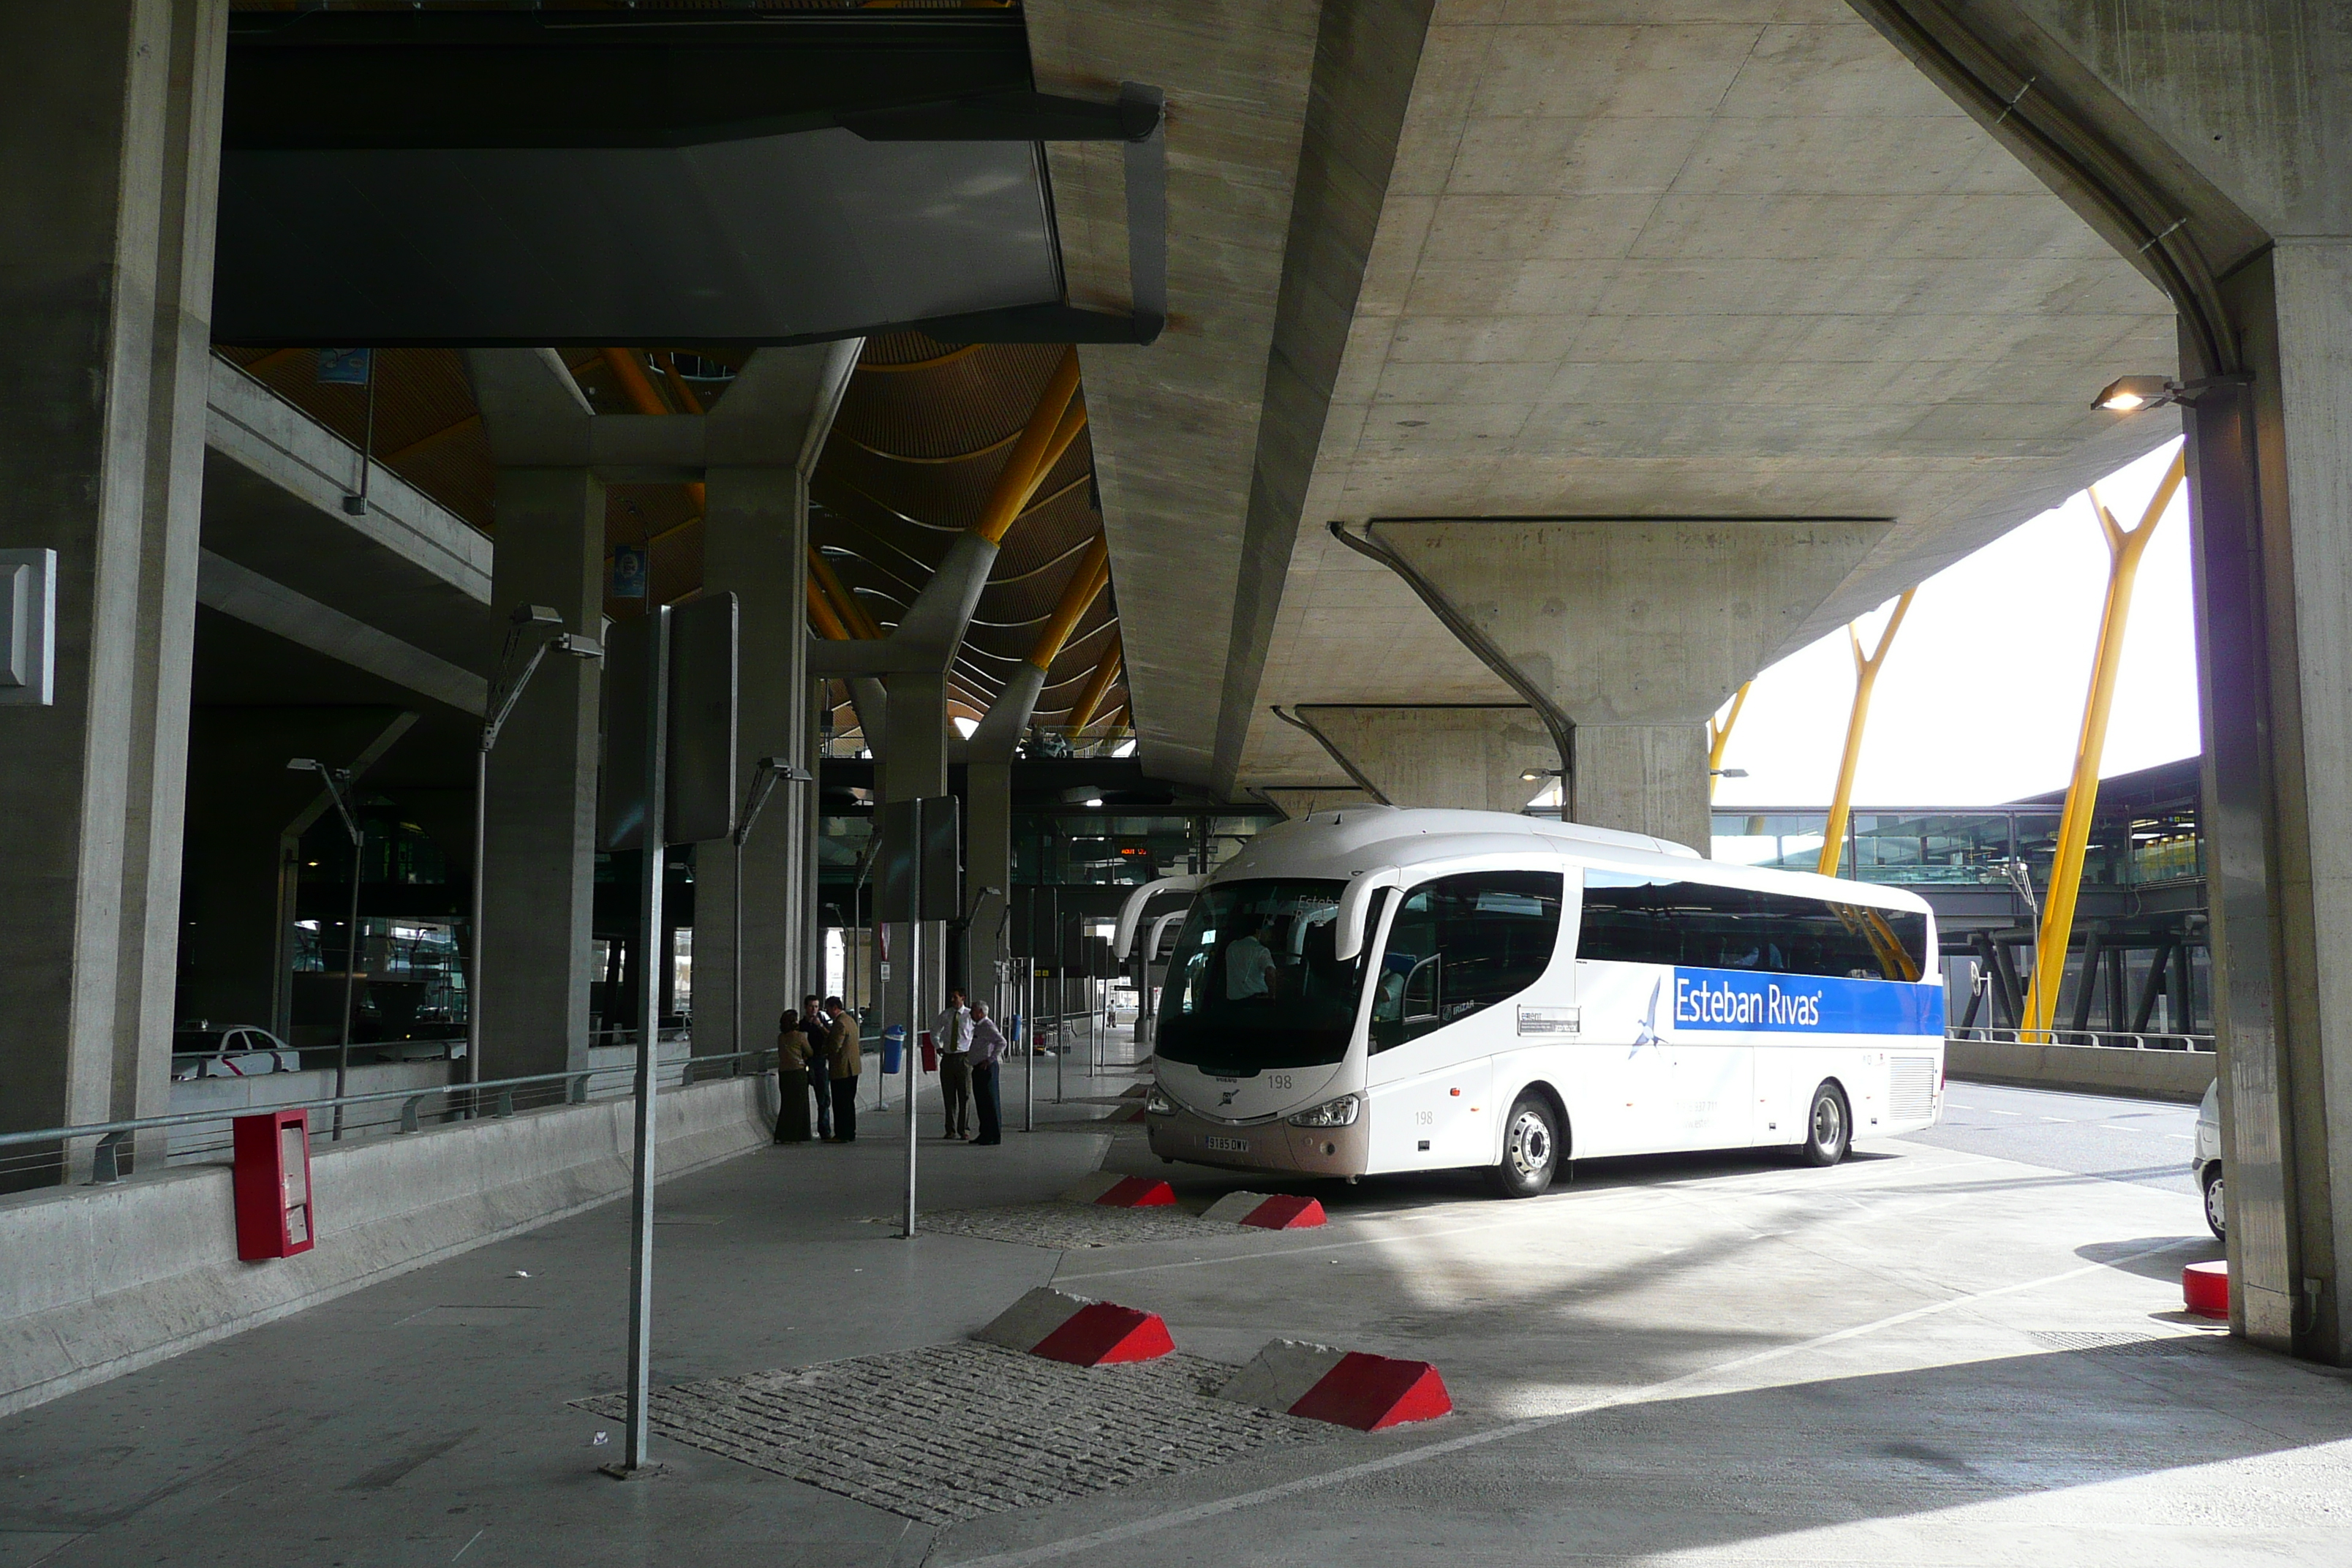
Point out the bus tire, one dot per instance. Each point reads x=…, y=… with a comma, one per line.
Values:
x=1829, y=1127
x=1531, y=1150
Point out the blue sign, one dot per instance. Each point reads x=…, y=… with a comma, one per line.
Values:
x=1804, y=1003
x=629, y=571
x=346, y=367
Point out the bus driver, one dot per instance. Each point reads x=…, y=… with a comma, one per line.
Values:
x=1250, y=967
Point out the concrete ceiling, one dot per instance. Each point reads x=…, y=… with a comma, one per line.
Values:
x=1633, y=259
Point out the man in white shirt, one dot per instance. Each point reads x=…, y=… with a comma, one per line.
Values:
x=1250, y=968
x=952, y=1032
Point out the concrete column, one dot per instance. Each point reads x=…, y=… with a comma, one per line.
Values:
x=765, y=435
x=1633, y=631
x=917, y=749
x=112, y=156
x=539, y=854
x=2270, y=499
x=1645, y=778
x=2208, y=143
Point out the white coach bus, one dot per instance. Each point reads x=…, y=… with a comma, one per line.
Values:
x=1376, y=990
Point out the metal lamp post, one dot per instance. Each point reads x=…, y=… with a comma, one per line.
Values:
x=501, y=707
x=335, y=780
x=771, y=772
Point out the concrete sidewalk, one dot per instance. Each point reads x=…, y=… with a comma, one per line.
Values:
x=1921, y=1356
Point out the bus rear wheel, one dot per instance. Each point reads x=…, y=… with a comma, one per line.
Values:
x=1530, y=1150
x=1829, y=1129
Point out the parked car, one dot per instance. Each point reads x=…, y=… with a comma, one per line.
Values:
x=2207, y=1166
x=240, y=1050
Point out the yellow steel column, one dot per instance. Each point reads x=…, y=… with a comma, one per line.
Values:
x=1719, y=736
x=1865, y=676
x=2123, y=552
x=1097, y=686
x=1053, y=424
x=1094, y=570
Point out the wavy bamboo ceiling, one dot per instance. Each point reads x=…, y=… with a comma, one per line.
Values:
x=923, y=432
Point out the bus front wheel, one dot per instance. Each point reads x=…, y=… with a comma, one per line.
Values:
x=1530, y=1150
x=1828, y=1127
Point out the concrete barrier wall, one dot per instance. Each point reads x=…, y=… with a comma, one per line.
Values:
x=234, y=1096
x=100, y=1282
x=2089, y=1070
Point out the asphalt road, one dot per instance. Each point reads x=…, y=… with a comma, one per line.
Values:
x=2147, y=1141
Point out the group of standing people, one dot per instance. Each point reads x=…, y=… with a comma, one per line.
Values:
x=818, y=1049
x=971, y=1047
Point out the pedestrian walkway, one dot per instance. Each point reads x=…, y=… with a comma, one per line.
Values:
x=1923, y=1356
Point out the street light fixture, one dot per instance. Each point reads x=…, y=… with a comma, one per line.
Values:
x=769, y=772
x=1536, y=775
x=337, y=780
x=2130, y=394
x=1728, y=772
x=503, y=697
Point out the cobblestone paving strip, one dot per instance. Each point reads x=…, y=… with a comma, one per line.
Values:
x=952, y=1432
x=1063, y=1226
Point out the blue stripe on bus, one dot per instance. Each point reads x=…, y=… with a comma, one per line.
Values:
x=1804, y=1003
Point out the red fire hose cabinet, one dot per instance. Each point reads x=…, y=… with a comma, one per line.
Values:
x=271, y=1153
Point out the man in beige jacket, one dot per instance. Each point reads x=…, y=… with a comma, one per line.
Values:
x=844, y=1058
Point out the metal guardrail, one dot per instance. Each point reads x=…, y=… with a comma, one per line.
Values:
x=2104, y=1039
x=490, y=1101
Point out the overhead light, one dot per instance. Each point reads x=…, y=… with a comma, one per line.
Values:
x=1083, y=794
x=1533, y=776
x=1728, y=772
x=2130, y=394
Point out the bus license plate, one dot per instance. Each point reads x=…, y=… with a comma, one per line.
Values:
x=1230, y=1146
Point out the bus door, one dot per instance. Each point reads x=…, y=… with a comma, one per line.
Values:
x=1456, y=948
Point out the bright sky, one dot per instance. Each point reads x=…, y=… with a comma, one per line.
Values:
x=1981, y=699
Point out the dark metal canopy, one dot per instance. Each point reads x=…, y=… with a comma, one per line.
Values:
x=541, y=178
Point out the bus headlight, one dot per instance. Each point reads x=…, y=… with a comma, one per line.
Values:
x=1339, y=1113
x=1157, y=1103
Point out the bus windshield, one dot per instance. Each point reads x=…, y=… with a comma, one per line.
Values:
x=1253, y=984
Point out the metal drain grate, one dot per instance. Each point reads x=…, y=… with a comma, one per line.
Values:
x=952, y=1432
x=2119, y=1344
x=1066, y=1226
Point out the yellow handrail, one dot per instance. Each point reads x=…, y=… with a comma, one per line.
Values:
x=1865, y=676
x=2124, y=552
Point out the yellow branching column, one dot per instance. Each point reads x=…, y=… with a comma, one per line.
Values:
x=1865, y=676
x=1719, y=736
x=2123, y=552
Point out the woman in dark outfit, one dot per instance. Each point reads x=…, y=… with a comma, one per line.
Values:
x=792, y=1080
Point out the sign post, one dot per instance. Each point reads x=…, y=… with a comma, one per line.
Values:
x=920, y=882
x=669, y=779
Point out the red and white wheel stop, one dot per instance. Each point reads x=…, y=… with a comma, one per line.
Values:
x=1072, y=1328
x=1348, y=1388
x=2205, y=1286
x=1277, y=1211
x=1108, y=1191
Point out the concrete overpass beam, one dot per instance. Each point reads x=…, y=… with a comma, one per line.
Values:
x=1466, y=758
x=113, y=157
x=1634, y=629
x=539, y=855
